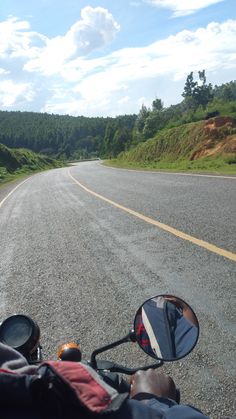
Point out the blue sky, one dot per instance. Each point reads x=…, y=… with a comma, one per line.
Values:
x=107, y=57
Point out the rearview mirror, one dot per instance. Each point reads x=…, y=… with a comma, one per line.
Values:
x=166, y=327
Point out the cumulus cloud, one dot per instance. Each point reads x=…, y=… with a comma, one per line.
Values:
x=17, y=40
x=183, y=7
x=59, y=75
x=211, y=48
x=3, y=71
x=12, y=93
x=96, y=29
x=25, y=54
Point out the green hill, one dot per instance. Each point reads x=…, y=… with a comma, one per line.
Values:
x=64, y=136
x=14, y=162
x=203, y=145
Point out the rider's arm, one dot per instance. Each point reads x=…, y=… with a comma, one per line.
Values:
x=158, y=409
x=157, y=392
x=186, y=310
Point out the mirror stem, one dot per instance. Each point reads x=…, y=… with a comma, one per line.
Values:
x=93, y=361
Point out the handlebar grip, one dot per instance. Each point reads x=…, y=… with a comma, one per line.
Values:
x=124, y=386
x=115, y=381
x=113, y=367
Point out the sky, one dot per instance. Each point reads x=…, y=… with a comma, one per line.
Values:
x=108, y=57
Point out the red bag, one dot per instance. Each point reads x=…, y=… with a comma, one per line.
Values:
x=77, y=384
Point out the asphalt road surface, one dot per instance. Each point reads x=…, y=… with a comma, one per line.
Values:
x=82, y=247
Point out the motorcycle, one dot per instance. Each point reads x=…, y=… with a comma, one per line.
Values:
x=165, y=327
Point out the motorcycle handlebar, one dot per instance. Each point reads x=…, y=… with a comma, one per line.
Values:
x=113, y=367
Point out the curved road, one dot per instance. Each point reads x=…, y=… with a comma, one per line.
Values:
x=82, y=247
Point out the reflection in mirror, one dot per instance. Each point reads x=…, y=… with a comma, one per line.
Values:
x=166, y=327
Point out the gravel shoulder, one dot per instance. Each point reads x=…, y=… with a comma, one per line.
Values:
x=7, y=187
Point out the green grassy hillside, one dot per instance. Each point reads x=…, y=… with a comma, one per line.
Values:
x=204, y=145
x=16, y=162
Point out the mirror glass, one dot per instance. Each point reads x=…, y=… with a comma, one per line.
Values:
x=166, y=327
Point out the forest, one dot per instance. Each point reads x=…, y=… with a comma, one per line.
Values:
x=71, y=138
x=64, y=136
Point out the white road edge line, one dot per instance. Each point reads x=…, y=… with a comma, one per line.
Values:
x=169, y=173
x=12, y=191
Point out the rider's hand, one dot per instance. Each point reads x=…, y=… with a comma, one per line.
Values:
x=152, y=383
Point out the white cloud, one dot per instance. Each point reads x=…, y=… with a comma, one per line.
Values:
x=3, y=71
x=10, y=93
x=58, y=74
x=16, y=39
x=211, y=48
x=183, y=7
x=96, y=29
x=123, y=100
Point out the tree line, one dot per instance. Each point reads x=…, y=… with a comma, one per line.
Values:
x=68, y=137
x=64, y=136
x=200, y=100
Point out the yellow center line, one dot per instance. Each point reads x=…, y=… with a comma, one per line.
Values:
x=165, y=227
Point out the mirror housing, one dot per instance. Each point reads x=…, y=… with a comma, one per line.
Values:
x=166, y=327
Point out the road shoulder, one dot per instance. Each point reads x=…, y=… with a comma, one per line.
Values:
x=7, y=187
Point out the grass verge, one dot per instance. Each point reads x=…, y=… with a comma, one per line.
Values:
x=208, y=165
x=19, y=163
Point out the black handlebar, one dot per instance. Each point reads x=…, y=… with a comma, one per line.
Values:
x=116, y=381
x=113, y=367
x=93, y=361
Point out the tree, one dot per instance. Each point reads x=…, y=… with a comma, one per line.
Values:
x=189, y=86
x=202, y=94
x=157, y=105
x=121, y=137
x=226, y=91
x=106, y=148
x=202, y=76
x=141, y=118
x=197, y=93
x=153, y=123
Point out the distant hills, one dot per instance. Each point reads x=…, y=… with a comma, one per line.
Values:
x=64, y=136
x=176, y=135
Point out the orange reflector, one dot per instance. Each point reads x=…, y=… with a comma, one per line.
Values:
x=66, y=346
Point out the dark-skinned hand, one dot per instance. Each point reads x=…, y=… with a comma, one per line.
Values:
x=154, y=383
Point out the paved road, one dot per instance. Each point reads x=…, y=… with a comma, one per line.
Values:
x=81, y=266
